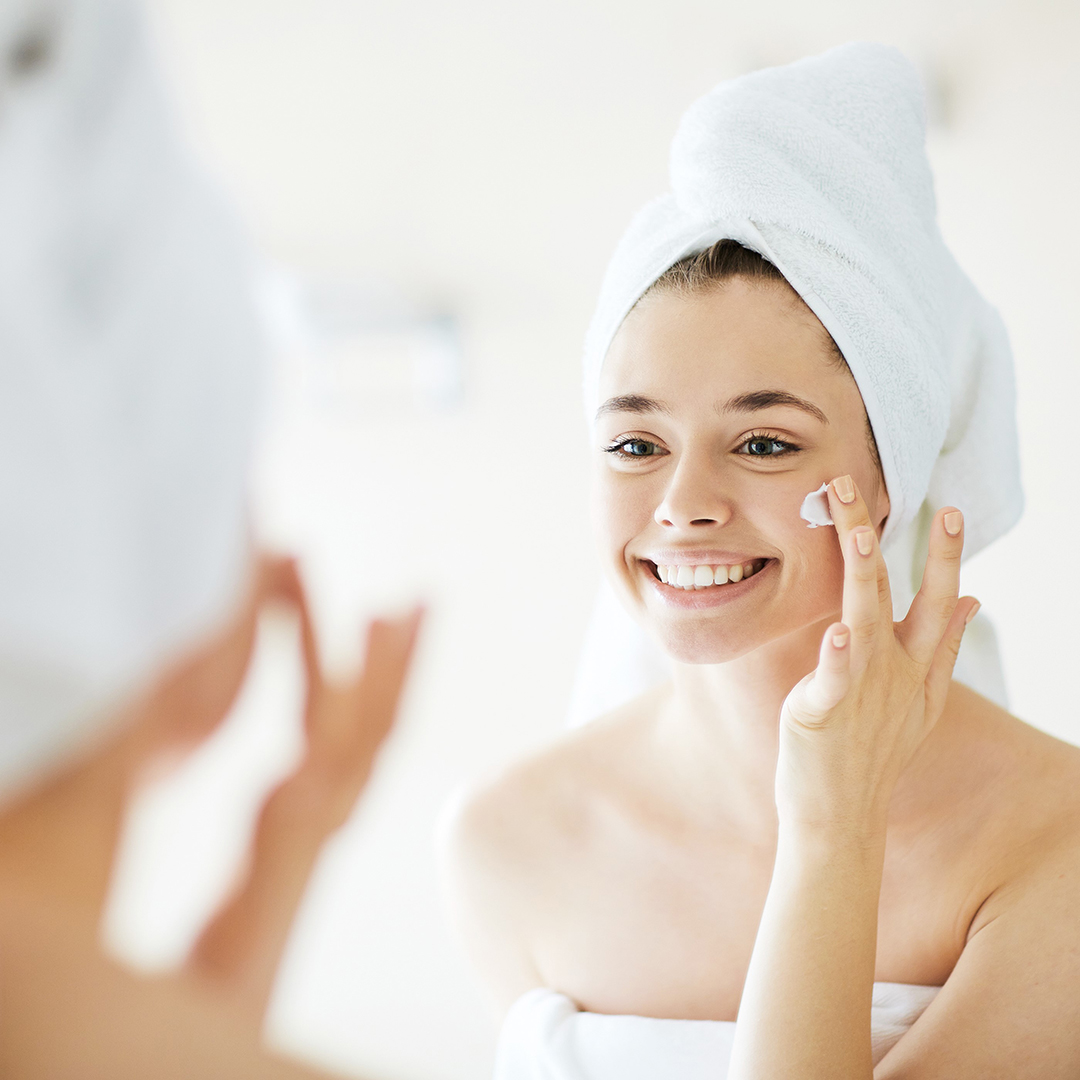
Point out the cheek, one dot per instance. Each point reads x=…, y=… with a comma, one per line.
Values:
x=815, y=570
x=812, y=572
x=621, y=509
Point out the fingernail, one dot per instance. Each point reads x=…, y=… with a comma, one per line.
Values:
x=972, y=613
x=954, y=522
x=844, y=487
x=864, y=541
x=839, y=639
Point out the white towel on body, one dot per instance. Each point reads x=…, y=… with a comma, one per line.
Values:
x=545, y=1037
x=129, y=357
x=821, y=167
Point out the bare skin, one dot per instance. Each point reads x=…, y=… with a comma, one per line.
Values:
x=629, y=865
x=65, y=1008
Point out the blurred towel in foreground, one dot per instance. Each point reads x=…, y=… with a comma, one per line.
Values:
x=129, y=366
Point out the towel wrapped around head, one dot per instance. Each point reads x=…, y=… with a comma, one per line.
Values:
x=820, y=166
x=129, y=359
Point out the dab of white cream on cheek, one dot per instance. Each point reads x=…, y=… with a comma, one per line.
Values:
x=815, y=508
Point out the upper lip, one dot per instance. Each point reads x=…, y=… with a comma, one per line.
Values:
x=699, y=557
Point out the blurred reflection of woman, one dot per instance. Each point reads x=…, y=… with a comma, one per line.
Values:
x=128, y=591
x=810, y=827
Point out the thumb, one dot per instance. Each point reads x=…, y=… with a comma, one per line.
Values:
x=817, y=695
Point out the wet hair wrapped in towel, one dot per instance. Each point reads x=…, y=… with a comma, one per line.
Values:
x=820, y=166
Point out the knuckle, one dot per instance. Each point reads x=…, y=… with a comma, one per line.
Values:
x=944, y=605
x=945, y=551
x=938, y=596
x=884, y=594
x=855, y=516
x=913, y=666
x=952, y=555
x=865, y=571
x=807, y=718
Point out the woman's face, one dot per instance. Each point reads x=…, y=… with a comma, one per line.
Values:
x=719, y=412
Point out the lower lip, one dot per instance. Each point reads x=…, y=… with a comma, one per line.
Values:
x=709, y=597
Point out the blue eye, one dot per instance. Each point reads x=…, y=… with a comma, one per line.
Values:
x=766, y=446
x=633, y=448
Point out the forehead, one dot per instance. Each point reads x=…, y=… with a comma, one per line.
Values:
x=733, y=338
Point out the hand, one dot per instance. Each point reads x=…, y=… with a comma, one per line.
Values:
x=850, y=727
x=345, y=724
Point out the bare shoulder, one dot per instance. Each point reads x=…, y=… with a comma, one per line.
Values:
x=509, y=842
x=1009, y=1007
x=541, y=803
x=1023, y=787
x=1031, y=775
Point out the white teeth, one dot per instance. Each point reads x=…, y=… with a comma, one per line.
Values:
x=702, y=577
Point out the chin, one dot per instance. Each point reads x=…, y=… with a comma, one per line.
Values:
x=717, y=641
x=707, y=645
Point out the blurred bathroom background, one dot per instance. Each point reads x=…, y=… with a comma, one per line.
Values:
x=435, y=189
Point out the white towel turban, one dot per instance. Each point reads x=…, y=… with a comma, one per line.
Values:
x=820, y=166
x=128, y=373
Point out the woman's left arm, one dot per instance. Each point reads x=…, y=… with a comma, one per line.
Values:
x=846, y=733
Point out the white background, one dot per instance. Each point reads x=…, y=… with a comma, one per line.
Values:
x=481, y=158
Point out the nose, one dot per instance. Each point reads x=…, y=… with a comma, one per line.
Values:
x=694, y=496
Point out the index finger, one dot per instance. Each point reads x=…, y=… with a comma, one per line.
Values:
x=390, y=646
x=867, y=598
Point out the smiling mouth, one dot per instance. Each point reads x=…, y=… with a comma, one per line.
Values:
x=690, y=578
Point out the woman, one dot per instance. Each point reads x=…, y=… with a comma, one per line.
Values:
x=129, y=594
x=810, y=828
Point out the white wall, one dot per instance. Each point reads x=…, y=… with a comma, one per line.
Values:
x=483, y=158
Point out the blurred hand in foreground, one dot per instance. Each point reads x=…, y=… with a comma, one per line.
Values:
x=65, y=1008
x=345, y=724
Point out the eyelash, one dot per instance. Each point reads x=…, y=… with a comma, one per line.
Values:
x=756, y=436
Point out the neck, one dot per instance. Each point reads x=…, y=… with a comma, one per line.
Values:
x=721, y=725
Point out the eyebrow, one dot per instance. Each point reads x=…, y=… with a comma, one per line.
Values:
x=755, y=401
x=766, y=399
x=633, y=403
